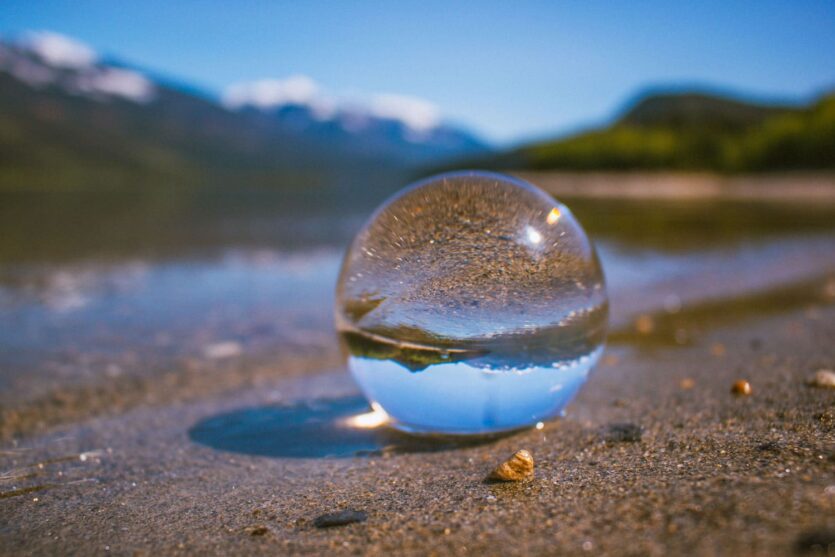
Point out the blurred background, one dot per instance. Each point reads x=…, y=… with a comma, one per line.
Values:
x=178, y=180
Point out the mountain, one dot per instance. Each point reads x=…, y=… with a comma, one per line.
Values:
x=393, y=127
x=72, y=121
x=690, y=131
x=696, y=111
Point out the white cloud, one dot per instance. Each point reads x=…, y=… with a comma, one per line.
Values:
x=59, y=50
x=418, y=114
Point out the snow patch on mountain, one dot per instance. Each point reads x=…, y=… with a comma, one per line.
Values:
x=60, y=51
x=419, y=116
x=45, y=59
x=118, y=82
x=266, y=94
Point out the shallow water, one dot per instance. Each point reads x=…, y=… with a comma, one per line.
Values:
x=107, y=301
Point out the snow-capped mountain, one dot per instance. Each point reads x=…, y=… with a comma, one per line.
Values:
x=48, y=59
x=418, y=118
x=396, y=126
x=98, y=118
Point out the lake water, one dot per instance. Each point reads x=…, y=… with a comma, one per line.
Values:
x=96, y=290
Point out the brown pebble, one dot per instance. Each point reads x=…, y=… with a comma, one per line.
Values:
x=829, y=289
x=645, y=324
x=687, y=383
x=741, y=388
x=823, y=379
x=258, y=530
x=517, y=468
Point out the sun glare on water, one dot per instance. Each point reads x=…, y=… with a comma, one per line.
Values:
x=369, y=420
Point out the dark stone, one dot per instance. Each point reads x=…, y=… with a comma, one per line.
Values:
x=622, y=433
x=820, y=542
x=769, y=446
x=340, y=518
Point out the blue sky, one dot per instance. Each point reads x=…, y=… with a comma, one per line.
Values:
x=509, y=70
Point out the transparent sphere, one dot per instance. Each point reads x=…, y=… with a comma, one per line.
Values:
x=471, y=303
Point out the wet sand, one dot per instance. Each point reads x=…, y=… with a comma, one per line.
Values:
x=240, y=449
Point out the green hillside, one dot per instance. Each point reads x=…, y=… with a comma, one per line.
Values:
x=53, y=141
x=692, y=132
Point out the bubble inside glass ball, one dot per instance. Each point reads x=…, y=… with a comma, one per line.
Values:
x=471, y=303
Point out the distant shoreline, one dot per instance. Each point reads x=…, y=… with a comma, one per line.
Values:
x=794, y=187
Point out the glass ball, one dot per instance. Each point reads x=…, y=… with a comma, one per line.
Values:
x=471, y=303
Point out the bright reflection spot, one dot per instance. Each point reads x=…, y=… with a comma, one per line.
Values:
x=534, y=236
x=553, y=216
x=540, y=425
x=369, y=420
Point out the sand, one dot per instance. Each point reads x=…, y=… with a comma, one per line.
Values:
x=712, y=473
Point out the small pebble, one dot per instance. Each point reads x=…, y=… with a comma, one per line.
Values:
x=827, y=417
x=222, y=350
x=258, y=530
x=645, y=324
x=822, y=379
x=718, y=349
x=623, y=433
x=769, y=446
x=340, y=518
x=517, y=468
x=687, y=383
x=741, y=388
